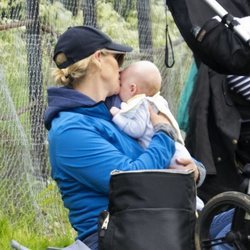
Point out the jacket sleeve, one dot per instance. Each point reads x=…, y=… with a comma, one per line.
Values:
x=134, y=125
x=202, y=171
x=90, y=158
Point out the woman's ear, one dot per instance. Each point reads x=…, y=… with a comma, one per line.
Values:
x=97, y=57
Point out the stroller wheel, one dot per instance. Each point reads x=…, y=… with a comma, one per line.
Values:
x=239, y=234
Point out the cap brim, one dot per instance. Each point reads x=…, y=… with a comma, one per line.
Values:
x=119, y=48
x=114, y=51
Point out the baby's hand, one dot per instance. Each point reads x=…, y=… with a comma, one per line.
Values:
x=114, y=110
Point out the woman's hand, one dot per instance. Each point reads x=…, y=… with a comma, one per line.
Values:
x=157, y=118
x=187, y=164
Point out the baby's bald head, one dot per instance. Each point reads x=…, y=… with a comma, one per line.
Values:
x=146, y=76
x=142, y=77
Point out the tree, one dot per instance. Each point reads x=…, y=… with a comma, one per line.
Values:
x=35, y=83
x=89, y=13
x=144, y=29
x=71, y=5
x=123, y=8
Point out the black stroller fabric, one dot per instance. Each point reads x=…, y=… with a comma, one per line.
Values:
x=150, y=210
x=221, y=49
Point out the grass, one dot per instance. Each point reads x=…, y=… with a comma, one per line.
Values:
x=29, y=238
x=36, y=228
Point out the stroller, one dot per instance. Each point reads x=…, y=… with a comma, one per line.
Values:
x=224, y=46
x=238, y=236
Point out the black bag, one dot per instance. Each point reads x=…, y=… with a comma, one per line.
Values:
x=149, y=210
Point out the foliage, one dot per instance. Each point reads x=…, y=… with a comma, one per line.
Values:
x=57, y=16
x=28, y=233
x=11, y=9
x=158, y=16
x=116, y=22
x=13, y=45
x=21, y=222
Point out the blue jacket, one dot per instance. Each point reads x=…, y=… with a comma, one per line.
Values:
x=85, y=146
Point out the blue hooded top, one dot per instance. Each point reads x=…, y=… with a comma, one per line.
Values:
x=85, y=146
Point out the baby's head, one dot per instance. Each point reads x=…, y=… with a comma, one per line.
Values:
x=142, y=77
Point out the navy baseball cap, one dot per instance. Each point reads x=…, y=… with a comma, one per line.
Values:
x=79, y=42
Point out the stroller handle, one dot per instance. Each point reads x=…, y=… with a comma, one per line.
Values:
x=216, y=7
x=222, y=13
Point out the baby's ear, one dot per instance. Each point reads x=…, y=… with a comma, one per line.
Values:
x=133, y=88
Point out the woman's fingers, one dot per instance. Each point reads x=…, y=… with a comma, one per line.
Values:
x=188, y=164
x=157, y=118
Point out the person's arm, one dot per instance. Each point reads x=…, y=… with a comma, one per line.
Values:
x=85, y=155
x=133, y=122
x=240, y=85
x=202, y=173
x=114, y=110
x=198, y=167
x=159, y=122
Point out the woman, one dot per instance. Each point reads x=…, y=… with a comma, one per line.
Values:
x=85, y=146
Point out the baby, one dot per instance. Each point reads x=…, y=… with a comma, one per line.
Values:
x=140, y=86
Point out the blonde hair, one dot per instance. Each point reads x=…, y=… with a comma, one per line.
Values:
x=78, y=70
x=71, y=74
